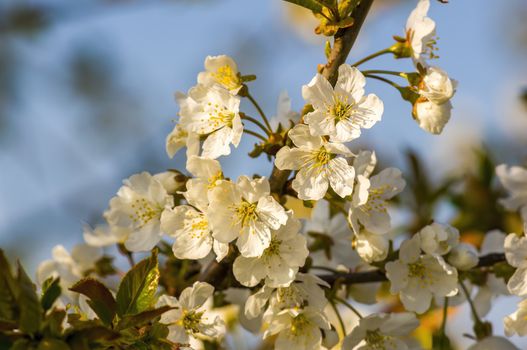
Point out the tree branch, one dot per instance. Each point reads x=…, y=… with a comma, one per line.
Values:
x=379, y=276
x=344, y=41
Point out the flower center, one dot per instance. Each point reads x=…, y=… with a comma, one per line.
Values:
x=417, y=270
x=214, y=178
x=219, y=116
x=322, y=157
x=144, y=212
x=273, y=249
x=200, y=227
x=246, y=213
x=225, y=76
x=375, y=339
x=299, y=325
x=340, y=109
x=191, y=321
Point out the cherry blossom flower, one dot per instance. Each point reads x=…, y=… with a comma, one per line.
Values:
x=432, y=117
x=297, y=329
x=516, y=255
x=70, y=268
x=284, y=114
x=305, y=290
x=438, y=239
x=420, y=32
x=247, y=212
x=368, y=208
x=191, y=317
x=221, y=70
x=516, y=323
x=436, y=86
x=341, y=112
x=416, y=278
x=514, y=179
x=320, y=164
x=179, y=138
x=214, y=113
x=381, y=331
x=138, y=207
x=279, y=262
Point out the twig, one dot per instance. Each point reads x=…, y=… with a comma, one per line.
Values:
x=379, y=276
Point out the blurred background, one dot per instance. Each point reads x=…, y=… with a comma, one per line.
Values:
x=86, y=95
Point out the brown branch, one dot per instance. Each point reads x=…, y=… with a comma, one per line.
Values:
x=344, y=40
x=379, y=276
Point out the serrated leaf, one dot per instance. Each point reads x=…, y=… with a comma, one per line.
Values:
x=50, y=292
x=137, y=289
x=100, y=298
x=8, y=309
x=308, y=4
x=30, y=309
x=142, y=317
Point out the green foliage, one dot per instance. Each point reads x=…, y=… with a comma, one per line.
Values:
x=100, y=298
x=50, y=292
x=138, y=287
x=131, y=322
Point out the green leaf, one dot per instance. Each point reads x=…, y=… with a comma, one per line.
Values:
x=142, y=317
x=28, y=303
x=138, y=287
x=308, y=4
x=52, y=325
x=100, y=298
x=50, y=292
x=8, y=307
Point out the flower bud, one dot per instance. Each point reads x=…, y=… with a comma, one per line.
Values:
x=463, y=257
x=432, y=117
x=436, y=86
x=493, y=343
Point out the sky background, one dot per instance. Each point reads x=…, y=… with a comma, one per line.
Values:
x=87, y=99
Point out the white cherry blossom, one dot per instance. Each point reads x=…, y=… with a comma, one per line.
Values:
x=341, y=112
x=179, y=138
x=514, y=179
x=420, y=32
x=438, y=239
x=70, y=268
x=297, y=329
x=381, y=331
x=207, y=174
x=333, y=236
x=320, y=164
x=247, y=212
x=305, y=290
x=368, y=208
x=191, y=317
x=463, y=257
x=416, y=277
x=432, y=117
x=189, y=225
x=516, y=323
x=516, y=255
x=138, y=207
x=284, y=114
x=214, y=113
x=279, y=262
x=221, y=70
x=436, y=86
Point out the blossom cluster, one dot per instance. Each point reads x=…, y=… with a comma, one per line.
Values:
x=271, y=251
